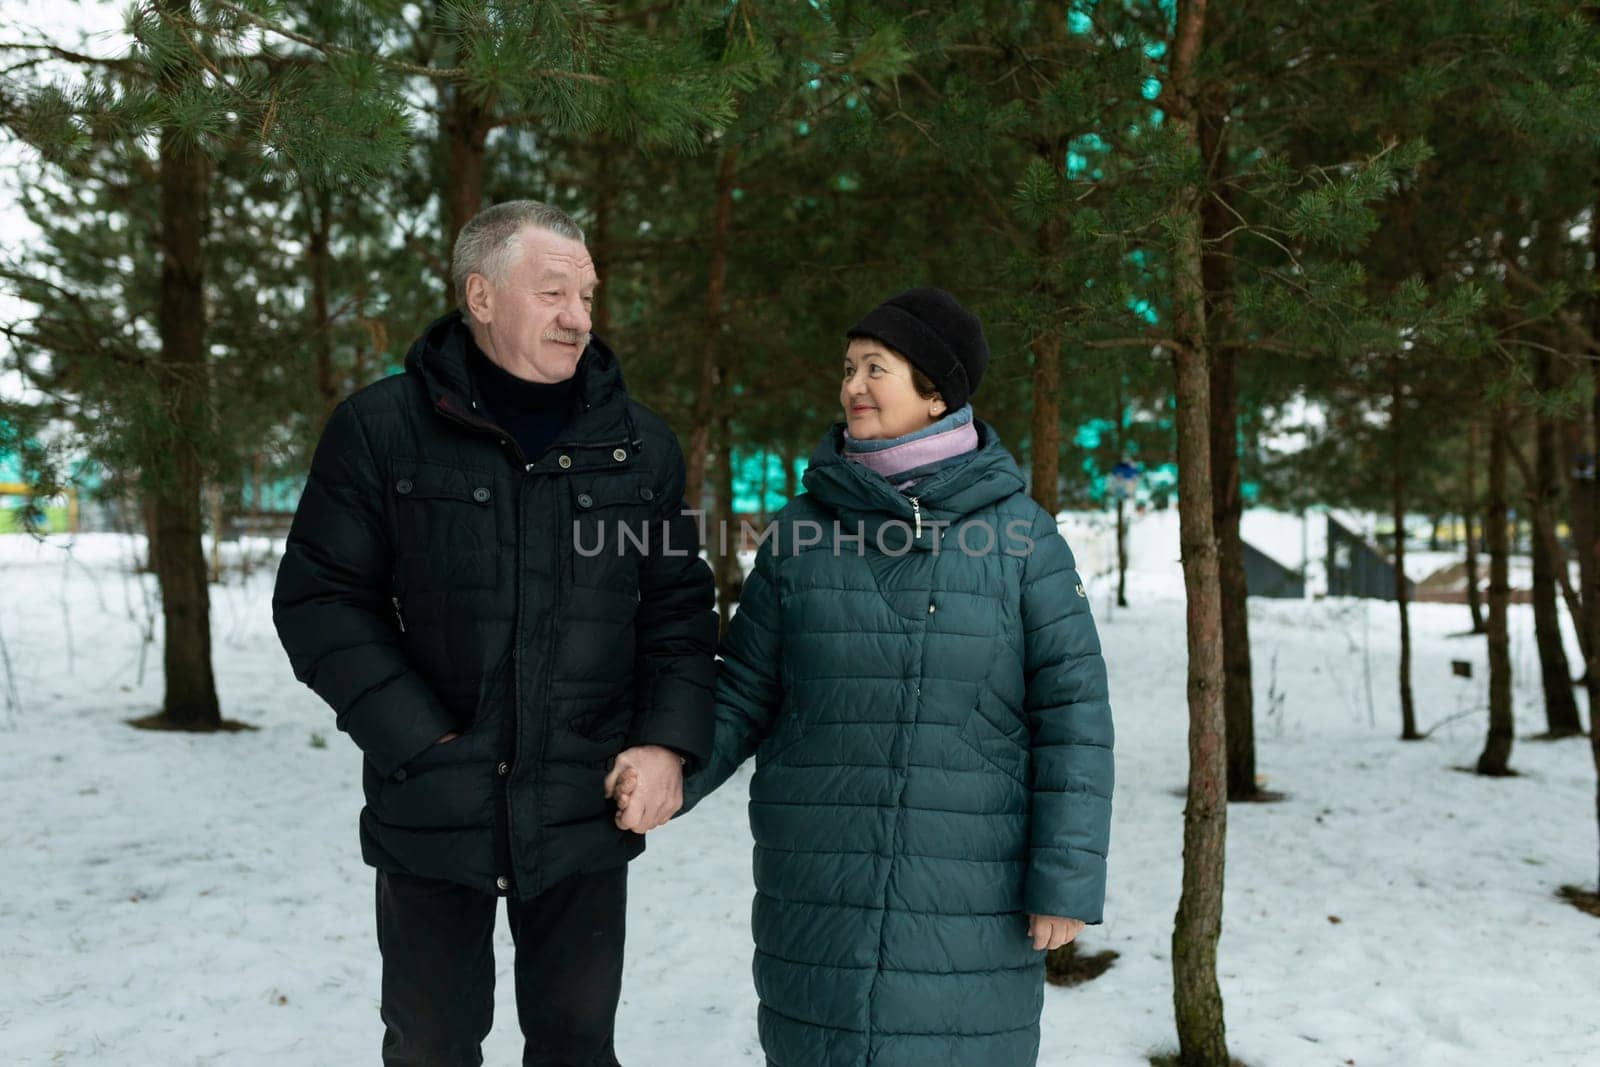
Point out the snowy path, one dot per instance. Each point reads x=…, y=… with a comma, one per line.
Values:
x=174, y=900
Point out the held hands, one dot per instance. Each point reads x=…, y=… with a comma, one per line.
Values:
x=1052, y=931
x=647, y=783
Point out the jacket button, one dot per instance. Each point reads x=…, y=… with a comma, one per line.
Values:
x=647, y=493
x=399, y=775
x=403, y=486
x=502, y=883
x=481, y=495
x=619, y=455
x=504, y=769
x=564, y=462
x=585, y=500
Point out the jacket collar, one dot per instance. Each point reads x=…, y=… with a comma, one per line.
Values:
x=599, y=412
x=859, y=495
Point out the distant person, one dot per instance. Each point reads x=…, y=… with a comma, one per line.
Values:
x=915, y=668
x=432, y=594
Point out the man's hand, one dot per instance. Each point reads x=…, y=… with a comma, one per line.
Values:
x=1052, y=931
x=647, y=783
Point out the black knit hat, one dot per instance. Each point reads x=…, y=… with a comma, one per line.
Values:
x=941, y=338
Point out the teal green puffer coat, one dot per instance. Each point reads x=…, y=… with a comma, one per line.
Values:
x=933, y=763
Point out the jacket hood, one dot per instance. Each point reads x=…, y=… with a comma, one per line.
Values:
x=858, y=494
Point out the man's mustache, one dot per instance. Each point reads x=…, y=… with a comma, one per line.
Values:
x=568, y=337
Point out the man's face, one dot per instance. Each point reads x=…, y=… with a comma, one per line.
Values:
x=535, y=323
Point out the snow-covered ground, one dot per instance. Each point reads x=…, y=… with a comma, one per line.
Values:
x=175, y=899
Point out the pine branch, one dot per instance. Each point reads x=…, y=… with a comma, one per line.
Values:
x=1169, y=343
x=437, y=73
x=1574, y=329
x=517, y=119
x=91, y=330
x=127, y=66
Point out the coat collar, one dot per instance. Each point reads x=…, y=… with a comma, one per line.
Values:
x=599, y=412
x=859, y=495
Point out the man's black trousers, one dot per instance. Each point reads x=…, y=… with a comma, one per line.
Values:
x=438, y=970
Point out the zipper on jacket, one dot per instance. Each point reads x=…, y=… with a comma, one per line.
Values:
x=399, y=616
x=514, y=712
x=916, y=514
x=482, y=425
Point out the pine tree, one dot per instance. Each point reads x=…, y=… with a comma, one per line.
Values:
x=135, y=359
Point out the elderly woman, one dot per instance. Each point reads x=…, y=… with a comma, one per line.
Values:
x=914, y=666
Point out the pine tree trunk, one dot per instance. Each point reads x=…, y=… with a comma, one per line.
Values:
x=1591, y=590
x=1580, y=520
x=1397, y=492
x=1227, y=512
x=1474, y=597
x=149, y=512
x=600, y=237
x=464, y=124
x=1560, y=705
x=1046, y=428
x=1496, y=756
x=1122, y=503
x=1217, y=222
x=1198, y=926
x=791, y=480
x=706, y=385
x=190, y=701
x=212, y=494
x=319, y=209
x=724, y=533
x=358, y=354
x=1560, y=571
x=1122, y=553
x=1197, y=997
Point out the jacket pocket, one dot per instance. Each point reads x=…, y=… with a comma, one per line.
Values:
x=592, y=738
x=611, y=530
x=994, y=746
x=445, y=786
x=446, y=533
x=791, y=729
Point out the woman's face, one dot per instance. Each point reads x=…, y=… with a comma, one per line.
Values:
x=878, y=396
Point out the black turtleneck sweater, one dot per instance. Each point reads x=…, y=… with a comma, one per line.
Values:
x=531, y=412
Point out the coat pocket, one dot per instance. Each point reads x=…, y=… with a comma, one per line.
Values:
x=446, y=534
x=790, y=730
x=611, y=531
x=598, y=736
x=445, y=786
x=994, y=746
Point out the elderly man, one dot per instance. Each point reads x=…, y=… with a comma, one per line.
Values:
x=443, y=592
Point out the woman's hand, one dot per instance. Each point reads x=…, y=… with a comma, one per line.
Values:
x=1052, y=931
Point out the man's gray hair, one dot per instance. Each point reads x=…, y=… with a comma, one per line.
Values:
x=490, y=239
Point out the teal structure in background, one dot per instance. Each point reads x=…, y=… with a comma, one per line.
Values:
x=758, y=482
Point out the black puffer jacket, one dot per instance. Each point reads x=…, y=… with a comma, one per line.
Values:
x=432, y=583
